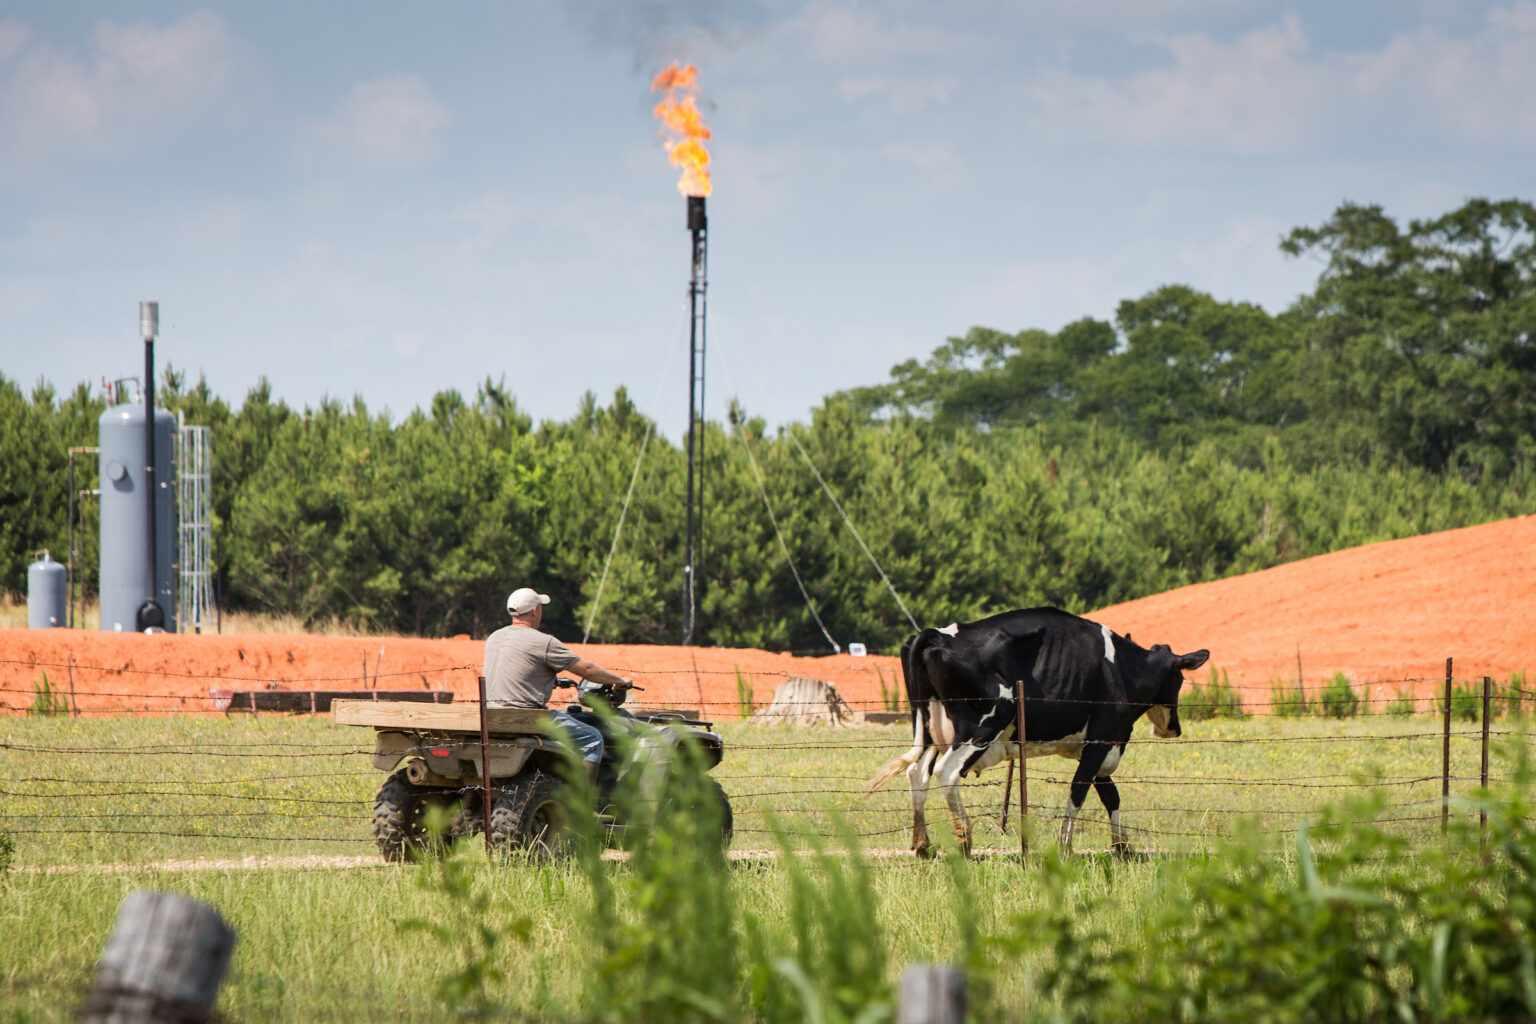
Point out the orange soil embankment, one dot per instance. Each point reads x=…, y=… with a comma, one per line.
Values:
x=1383, y=614
x=1386, y=615
x=131, y=672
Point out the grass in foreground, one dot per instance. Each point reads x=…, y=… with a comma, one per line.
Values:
x=327, y=944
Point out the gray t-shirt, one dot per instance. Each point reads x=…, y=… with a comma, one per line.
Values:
x=520, y=666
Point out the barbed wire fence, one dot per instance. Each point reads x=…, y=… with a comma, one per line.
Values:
x=271, y=790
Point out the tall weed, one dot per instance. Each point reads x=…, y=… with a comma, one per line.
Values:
x=663, y=927
x=1466, y=701
x=743, y=693
x=831, y=965
x=1217, y=698
x=1514, y=695
x=1287, y=702
x=890, y=697
x=1339, y=699
x=1402, y=704
x=466, y=924
x=46, y=700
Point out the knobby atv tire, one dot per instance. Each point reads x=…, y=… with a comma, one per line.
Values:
x=528, y=817
x=400, y=816
x=716, y=793
x=705, y=797
x=470, y=820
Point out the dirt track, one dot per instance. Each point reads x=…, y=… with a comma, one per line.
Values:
x=1380, y=613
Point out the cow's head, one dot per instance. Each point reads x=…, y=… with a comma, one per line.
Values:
x=1169, y=669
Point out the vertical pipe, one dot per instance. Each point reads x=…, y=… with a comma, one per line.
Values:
x=1445, y=758
x=485, y=769
x=1482, y=815
x=149, y=473
x=693, y=324
x=701, y=258
x=1023, y=785
x=693, y=515
x=69, y=567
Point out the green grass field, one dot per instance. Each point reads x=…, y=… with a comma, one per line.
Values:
x=97, y=807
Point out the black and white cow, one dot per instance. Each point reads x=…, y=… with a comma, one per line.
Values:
x=1084, y=688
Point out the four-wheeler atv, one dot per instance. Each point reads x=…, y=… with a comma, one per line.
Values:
x=434, y=759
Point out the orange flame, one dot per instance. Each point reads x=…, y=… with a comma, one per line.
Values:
x=680, y=117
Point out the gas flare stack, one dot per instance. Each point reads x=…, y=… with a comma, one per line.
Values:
x=679, y=115
x=698, y=283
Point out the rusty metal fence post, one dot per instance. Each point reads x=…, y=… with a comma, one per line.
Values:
x=486, y=798
x=1482, y=814
x=1023, y=785
x=1008, y=791
x=1445, y=759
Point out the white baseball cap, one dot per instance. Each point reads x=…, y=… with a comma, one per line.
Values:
x=524, y=599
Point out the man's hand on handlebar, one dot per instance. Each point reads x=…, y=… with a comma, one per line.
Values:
x=587, y=686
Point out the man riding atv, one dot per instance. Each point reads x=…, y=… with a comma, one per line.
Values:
x=520, y=667
x=437, y=756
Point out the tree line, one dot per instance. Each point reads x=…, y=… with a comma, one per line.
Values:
x=1188, y=440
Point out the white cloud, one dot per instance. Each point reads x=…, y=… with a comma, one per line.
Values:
x=216, y=227
x=13, y=36
x=937, y=159
x=1519, y=18
x=387, y=122
x=138, y=82
x=1270, y=91
x=491, y=215
x=906, y=95
x=1236, y=260
x=849, y=34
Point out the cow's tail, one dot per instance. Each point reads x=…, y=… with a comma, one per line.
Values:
x=901, y=762
x=917, y=698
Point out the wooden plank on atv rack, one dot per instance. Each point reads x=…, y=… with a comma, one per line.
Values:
x=314, y=701
x=445, y=717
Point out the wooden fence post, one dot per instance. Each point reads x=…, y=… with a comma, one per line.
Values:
x=164, y=961
x=931, y=994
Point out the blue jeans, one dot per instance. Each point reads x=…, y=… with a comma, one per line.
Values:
x=588, y=741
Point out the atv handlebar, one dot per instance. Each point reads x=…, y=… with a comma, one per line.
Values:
x=583, y=686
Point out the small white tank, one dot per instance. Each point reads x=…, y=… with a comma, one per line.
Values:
x=46, y=593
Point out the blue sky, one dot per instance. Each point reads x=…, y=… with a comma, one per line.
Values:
x=391, y=199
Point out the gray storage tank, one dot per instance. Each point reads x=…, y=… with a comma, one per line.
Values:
x=124, y=576
x=46, y=590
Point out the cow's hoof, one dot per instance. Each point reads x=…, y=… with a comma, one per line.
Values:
x=924, y=852
x=1121, y=850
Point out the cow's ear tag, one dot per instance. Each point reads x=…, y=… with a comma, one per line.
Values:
x=1193, y=660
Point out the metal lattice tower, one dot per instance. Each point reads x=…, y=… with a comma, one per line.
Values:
x=194, y=517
